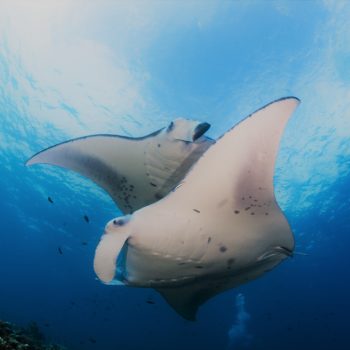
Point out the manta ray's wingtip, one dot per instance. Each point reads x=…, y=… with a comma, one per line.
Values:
x=291, y=97
x=281, y=99
x=29, y=161
x=34, y=159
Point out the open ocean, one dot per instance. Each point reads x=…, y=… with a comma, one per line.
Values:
x=74, y=68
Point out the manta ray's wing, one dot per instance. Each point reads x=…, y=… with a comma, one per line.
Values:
x=134, y=171
x=116, y=163
x=231, y=189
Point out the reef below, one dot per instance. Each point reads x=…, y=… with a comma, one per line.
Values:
x=20, y=338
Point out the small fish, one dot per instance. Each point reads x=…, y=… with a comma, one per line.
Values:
x=60, y=250
x=86, y=218
x=84, y=243
x=150, y=302
x=92, y=340
x=50, y=199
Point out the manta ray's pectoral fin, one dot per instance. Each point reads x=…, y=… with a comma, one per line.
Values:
x=135, y=172
x=116, y=163
x=229, y=196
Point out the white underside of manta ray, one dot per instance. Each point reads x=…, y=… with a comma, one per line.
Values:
x=218, y=228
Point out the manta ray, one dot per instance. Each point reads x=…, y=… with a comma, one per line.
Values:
x=205, y=218
x=135, y=172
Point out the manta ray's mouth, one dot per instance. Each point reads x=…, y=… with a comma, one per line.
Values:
x=200, y=130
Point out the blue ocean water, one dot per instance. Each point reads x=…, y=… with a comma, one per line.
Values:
x=69, y=69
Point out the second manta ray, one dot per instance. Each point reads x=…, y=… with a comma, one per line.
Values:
x=218, y=228
x=134, y=171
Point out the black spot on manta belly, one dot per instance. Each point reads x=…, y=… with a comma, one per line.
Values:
x=236, y=211
x=196, y=210
x=209, y=240
x=223, y=249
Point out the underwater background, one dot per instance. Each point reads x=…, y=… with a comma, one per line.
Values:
x=72, y=68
